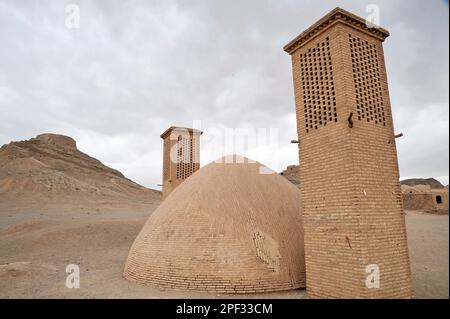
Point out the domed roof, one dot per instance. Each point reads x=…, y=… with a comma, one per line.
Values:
x=228, y=228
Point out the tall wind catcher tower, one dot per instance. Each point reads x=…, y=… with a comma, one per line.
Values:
x=354, y=224
x=181, y=156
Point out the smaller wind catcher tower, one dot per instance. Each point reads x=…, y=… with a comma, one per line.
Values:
x=181, y=156
x=354, y=224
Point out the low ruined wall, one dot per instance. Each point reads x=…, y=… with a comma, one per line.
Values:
x=425, y=203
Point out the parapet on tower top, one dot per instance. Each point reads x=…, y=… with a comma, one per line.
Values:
x=335, y=16
x=180, y=129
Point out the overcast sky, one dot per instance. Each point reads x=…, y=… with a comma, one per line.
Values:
x=134, y=68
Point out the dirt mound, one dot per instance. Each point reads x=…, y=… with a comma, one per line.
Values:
x=50, y=170
x=433, y=183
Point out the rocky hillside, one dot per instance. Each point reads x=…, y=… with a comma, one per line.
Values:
x=292, y=173
x=422, y=181
x=50, y=170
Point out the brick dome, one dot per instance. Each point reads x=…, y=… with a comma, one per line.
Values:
x=228, y=228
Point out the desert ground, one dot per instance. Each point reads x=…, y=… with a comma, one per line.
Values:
x=36, y=247
x=59, y=206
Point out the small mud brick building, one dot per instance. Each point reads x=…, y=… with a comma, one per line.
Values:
x=425, y=199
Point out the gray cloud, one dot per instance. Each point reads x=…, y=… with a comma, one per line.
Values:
x=136, y=67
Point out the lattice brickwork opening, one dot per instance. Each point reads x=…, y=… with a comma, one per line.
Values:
x=366, y=76
x=264, y=251
x=185, y=157
x=319, y=98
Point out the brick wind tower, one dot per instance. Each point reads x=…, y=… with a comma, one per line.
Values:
x=181, y=156
x=354, y=223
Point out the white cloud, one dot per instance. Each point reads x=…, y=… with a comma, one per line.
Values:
x=135, y=68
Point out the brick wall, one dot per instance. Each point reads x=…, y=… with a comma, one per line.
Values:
x=226, y=229
x=184, y=143
x=351, y=196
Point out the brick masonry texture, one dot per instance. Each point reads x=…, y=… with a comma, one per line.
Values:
x=185, y=160
x=426, y=199
x=350, y=190
x=226, y=229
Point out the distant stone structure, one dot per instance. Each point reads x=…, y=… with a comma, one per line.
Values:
x=353, y=217
x=292, y=174
x=425, y=199
x=226, y=229
x=433, y=183
x=181, y=156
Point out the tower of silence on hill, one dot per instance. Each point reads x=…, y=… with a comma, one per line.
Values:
x=228, y=228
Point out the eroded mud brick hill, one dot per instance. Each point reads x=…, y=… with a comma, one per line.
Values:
x=351, y=197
